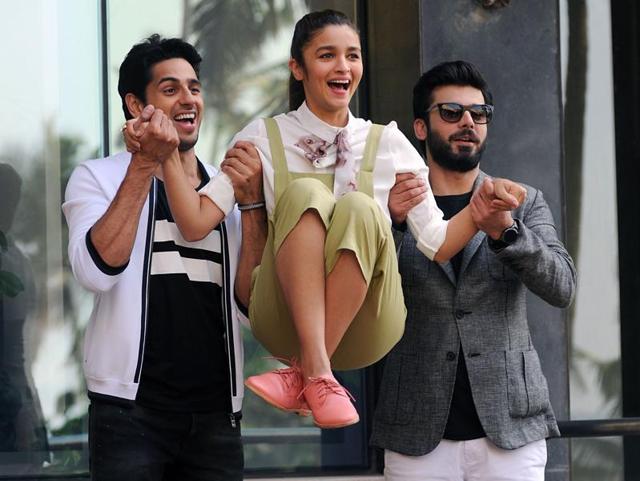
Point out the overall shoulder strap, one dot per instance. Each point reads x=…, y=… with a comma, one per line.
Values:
x=365, y=177
x=278, y=159
x=371, y=147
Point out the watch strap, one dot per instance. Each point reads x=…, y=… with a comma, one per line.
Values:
x=507, y=237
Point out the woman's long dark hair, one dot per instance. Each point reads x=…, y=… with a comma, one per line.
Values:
x=305, y=30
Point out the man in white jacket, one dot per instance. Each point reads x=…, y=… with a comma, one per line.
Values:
x=163, y=354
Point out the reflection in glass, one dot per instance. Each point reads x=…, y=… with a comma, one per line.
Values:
x=23, y=438
x=52, y=123
x=595, y=375
x=597, y=459
x=49, y=341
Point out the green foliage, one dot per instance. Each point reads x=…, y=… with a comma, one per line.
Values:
x=607, y=373
x=217, y=21
x=232, y=72
x=597, y=459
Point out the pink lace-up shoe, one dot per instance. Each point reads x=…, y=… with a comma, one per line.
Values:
x=281, y=388
x=330, y=403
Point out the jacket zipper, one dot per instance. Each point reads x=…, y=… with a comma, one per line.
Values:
x=145, y=278
x=227, y=311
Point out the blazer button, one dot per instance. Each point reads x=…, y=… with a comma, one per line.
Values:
x=459, y=314
x=451, y=356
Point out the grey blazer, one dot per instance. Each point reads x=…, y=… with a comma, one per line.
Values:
x=485, y=311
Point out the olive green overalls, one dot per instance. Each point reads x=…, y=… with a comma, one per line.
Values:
x=354, y=222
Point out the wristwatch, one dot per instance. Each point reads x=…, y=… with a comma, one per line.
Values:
x=507, y=237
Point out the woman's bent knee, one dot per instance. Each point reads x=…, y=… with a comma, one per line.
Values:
x=357, y=209
x=301, y=188
x=358, y=205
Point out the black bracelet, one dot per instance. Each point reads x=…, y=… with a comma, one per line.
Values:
x=254, y=205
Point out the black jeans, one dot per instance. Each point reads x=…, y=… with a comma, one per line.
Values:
x=142, y=444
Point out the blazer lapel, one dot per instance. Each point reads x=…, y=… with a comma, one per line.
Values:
x=471, y=248
x=448, y=270
x=468, y=253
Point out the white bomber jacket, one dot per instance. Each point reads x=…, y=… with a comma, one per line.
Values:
x=115, y=336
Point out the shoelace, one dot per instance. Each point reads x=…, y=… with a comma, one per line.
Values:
x=291, y=375
x=326, y=386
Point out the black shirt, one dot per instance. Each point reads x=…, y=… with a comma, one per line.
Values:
x=463, y=422
x=185, y=365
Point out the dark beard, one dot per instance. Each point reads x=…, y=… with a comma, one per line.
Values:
x=184, y=146
x=443, y=155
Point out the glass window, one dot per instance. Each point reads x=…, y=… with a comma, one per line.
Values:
x=52, y=121
x=597, y=459
x=595, y=376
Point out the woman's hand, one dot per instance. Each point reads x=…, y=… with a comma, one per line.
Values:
x=504, y=194
x=134, y=128
x=492, y=203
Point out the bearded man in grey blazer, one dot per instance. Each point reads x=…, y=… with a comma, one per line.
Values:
x=463, y=396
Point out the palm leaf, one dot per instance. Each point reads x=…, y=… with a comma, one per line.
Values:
x=230, y=35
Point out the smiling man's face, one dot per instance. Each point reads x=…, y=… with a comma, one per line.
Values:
x=175, y=89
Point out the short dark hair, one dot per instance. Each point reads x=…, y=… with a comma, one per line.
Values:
x=135, y=70
x=305, y=29
x=457, y=72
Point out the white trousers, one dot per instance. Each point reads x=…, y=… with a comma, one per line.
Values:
x=475, y=460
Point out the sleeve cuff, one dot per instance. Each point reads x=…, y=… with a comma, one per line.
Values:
x=220, y=191
x=99, y=262
x=432, y=237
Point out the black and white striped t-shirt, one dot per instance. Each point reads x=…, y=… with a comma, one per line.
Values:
x=185, y=365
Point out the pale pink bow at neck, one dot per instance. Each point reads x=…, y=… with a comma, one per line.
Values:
x=345, y=173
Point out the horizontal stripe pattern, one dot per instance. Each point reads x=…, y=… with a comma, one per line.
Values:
x=169, y=246
x=168, y=232
x=201, y=260
x=198, y=270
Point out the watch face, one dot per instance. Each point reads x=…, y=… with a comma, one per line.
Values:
x=510, y=234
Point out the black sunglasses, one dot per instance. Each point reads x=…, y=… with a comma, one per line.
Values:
x=453, y=112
